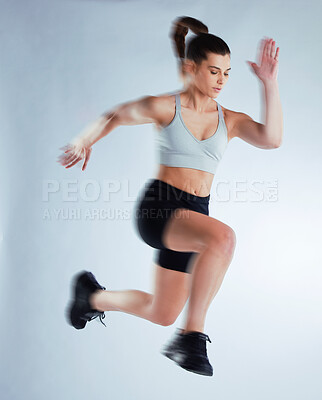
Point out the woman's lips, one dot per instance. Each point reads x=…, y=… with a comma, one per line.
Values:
x=217, y=90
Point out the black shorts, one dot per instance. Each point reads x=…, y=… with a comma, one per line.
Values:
x=156, y=204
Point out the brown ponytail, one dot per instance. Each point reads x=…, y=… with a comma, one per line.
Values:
x=198, y=46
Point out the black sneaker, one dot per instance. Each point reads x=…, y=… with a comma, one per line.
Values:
x=169, y=349
x=189, y=351
x=79, y=311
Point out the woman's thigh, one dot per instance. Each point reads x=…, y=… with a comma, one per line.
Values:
x=188, y=230
x=171, y=291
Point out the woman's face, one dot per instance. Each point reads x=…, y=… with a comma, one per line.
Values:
x=211, y=74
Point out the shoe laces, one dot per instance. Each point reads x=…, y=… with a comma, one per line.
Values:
x=208, y=338
x=99, y=314
x=197, y=342
x=201, y=345
x=95, y=313
x=200, y=335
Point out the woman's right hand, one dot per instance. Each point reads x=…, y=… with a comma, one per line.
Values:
x=73, y=153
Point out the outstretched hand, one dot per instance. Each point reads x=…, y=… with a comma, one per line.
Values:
x=267, y=67
x=76, y=153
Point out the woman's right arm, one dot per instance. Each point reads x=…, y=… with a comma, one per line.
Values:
x=141, y=111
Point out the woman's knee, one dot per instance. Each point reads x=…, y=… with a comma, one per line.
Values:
x=165, y=320
x=165, y=316
x=224, y=237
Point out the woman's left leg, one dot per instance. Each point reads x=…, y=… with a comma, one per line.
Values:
x=171, y=291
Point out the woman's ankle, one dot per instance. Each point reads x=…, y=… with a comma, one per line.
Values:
x=93, y=300
x=185, y=331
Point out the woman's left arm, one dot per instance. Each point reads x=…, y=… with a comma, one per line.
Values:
x=268, y=135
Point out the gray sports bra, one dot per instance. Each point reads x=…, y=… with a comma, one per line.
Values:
x=178, y=147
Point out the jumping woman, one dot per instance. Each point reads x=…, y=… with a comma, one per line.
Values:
x=194, y=250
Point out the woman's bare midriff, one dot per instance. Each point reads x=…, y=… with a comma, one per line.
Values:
x=190, y=180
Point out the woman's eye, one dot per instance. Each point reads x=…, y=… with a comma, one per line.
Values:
x=214, y=73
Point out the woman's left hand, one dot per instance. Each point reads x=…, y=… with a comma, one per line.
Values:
x=268, y=58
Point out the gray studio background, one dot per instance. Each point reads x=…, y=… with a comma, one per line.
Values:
x=63, y=63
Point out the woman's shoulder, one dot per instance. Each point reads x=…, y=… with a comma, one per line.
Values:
x=231, y=117
x=228, y=114
x=165, y=98
x=165, y=104
x=228, y=118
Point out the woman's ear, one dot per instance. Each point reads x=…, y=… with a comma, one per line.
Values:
x=189, y=67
